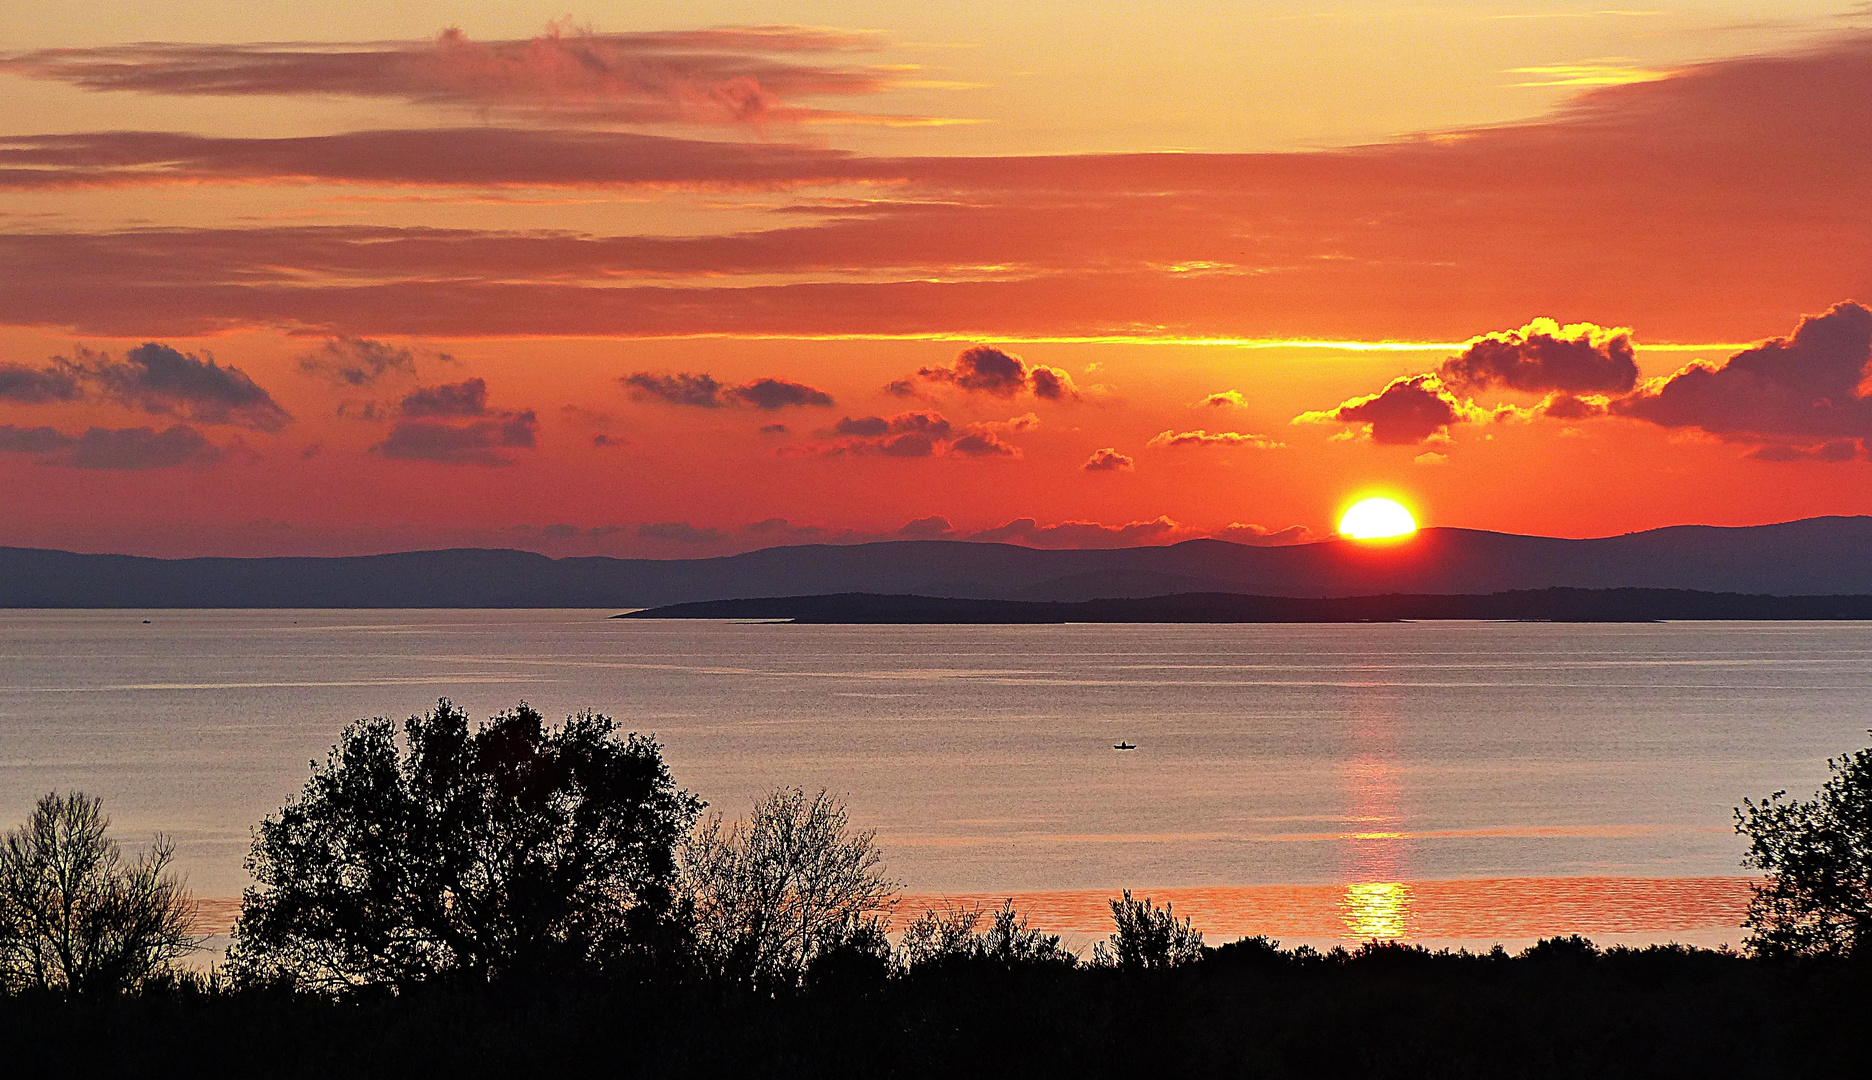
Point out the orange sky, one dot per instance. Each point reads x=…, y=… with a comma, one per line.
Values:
x=784, y=273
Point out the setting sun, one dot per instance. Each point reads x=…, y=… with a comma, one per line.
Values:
x=1377, y=519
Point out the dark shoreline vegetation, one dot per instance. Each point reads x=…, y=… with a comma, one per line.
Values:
x=1525, y=605
x=518, y=898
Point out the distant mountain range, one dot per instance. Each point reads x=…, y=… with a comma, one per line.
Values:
x=1827, y=556
x=1547, y=605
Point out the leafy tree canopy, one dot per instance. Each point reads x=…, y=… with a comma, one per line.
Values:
x=511, y=851
x=1817, y=853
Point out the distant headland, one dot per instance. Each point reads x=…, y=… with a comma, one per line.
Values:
x=1542, y=605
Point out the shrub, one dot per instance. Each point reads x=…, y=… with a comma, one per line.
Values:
x=950, y=933
x=74, y=916
x=1147, y=938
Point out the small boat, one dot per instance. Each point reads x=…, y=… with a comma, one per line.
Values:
x=1124, y=746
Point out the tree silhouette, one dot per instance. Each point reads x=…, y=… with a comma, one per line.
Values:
x=1147, y=937
x=74, y=916
x=516, y=851
x=792, y=883
x=1817, y=899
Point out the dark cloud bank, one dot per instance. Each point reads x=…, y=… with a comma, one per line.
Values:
x=704, y=391
x=1804, y=397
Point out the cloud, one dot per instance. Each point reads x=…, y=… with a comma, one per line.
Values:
x=1572, y=407
x=1544, y=356
x=59, y=381
x=707, y=392
x=727, y=75
x=1411, y=409
x=160, y=379
x=988, y=370
x=679, y=532
x=934, y=527
x=1108, y=459
x=1835, y=451
x=1431, y=457
x=1805, y=397
x=1200, y=437
x=982, y=442
x=1722, y=182
x=1811, y=384
x=780, y=530
x=37, y=440
x=1027, y=531
x=482, y=442
x=1261, y=536
x=779, y=394
x=1222, y=399
x=153, y=377
x=447, y=156
x=1052, y=384
x=1083, y=534
x=702, y=391
x=112, y=448
x=345, y=361
x=906, y=435
x=466, y=398
x=917, y=435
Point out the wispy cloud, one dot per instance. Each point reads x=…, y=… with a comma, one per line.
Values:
x=729, y=76
x=1607, y=73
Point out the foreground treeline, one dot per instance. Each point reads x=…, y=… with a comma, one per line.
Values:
x=1239, y=1011
x=519, y=898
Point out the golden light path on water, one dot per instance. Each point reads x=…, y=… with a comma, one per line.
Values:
x=1377, y=903
x=1471, y=913
x=1376, y=910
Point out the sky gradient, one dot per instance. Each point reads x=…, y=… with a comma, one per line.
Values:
x=354, y=279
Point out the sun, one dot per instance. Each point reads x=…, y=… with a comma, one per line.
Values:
x=1377, y=519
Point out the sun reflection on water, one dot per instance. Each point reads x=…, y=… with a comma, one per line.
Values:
x=1376, y=903
x=1376, y=910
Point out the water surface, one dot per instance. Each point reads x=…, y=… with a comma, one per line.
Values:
x=1386, y=768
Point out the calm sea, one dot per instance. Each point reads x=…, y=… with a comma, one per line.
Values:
x=1442, y=782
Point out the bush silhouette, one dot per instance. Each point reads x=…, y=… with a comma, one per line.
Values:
x=74, y=916
x=950, y=934
x=1147, y=938
x=793, y=882
x=513, y=852
x=1817, y=899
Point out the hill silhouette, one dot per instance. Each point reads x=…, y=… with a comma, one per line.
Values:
x=1816, y=556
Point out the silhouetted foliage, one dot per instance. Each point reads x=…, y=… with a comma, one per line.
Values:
x=793, y=882
x=516, y=851
x=1257, y=953
x=1147, y=938
x=1571, y=949
x=1393, y=1012
x=1817, y=899
x=74, y=916
x=950, y=934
